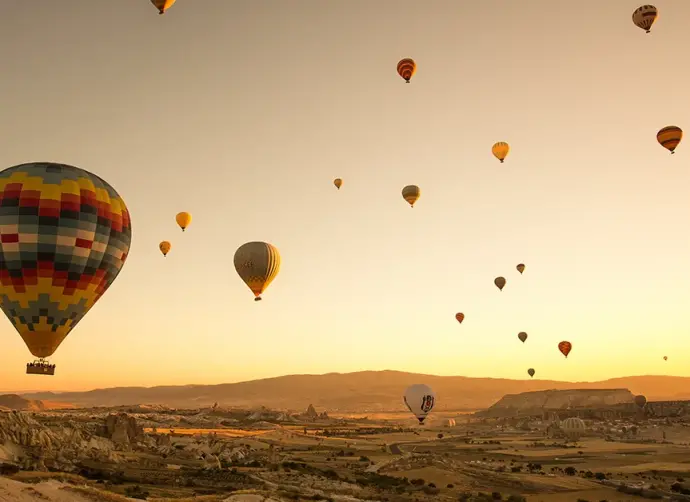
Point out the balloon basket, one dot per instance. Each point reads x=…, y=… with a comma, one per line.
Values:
x=40, y=367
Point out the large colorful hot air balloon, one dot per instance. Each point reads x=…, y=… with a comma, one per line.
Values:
x=640, y=401
x=165, y=247
x=183, y=220
x=669, y=137
x=530, y=372
x=407, y=68
x=420, y=400
x=257, y=264
x=338, y=183
x=162, y=5
x=644, y=17
x=574, y=428
x=460, y=317
x=565, y=348
x=520, y=268
x=411, y=194
x=65, y=235
x=500, y=282
x=522, y=336
x=500, y=150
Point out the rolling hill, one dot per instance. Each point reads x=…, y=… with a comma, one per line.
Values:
x=360, y=391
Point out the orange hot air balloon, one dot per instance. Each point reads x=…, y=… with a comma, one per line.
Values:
x=338, y=183
x=411, y=194
x=669, y=137
x=520, y=268
x=407, y=68
x=565, y=348
x=162, y=5
x=500, y=282
x=164, y=247
x=183, y=219
x=522, y=336
x=460, y=317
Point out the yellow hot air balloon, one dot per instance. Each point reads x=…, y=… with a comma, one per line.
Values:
x=257, y=264
x=644, y=17
x=500, y=150
x=411, y=194
x=407, y=68
x=183, y=219
x=338, y=183
x=164, y=247
x=669, y=137
x=162, y=5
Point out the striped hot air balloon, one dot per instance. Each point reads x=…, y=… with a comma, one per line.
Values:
x=669, y=137
x=257, y=264
x=162, y=5
x=460, y=317
x=644, y=17
x=574, y=428
x=500, y=150
x=407, y=68
x=411, y=194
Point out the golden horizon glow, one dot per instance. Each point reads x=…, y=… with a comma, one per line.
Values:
x=243, y=113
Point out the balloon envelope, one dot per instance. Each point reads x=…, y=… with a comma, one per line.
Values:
x=420, y=400
x=66, y=234
x=644, y=17
x=521, y=268
x=460, y=317
x=530, y=372
x=522, y=336
x=640, y=401
x=669, y=137
x=411, y=194
x=338, y=183
x=500, y=150
x=164, y=247
x=565, y=348
x=407, y=68
x=573, y=427
x=500, y=282
x=183, y=219
x=162, y=5
x=257, y=264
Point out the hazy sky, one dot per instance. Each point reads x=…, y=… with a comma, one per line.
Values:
x=243, y=111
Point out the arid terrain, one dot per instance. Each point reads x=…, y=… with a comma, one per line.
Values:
x=513, y=450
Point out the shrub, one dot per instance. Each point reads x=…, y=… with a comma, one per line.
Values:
x=599, y=475
x=570, y=471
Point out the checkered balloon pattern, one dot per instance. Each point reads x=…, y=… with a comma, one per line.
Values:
x=64, y=237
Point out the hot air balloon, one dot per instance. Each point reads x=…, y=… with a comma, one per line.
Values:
x=531, y=372
x=574, y=428
x=407, y=68
x=669, y=137
x=565, y=348
x=257, y=264
x=183, y=220
x=164, y=247
x=460, y=317
x=640, y=401
x=644, y=17
x=338, y=183
x=500, y=282
x=162, y=5
x=65, y=237
x=420, y=400
x=665, y=358
x=520, y=268
x=411, y=194
x=522, y=336
x=500, y=150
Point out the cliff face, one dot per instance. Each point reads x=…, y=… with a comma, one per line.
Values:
x=543, y=400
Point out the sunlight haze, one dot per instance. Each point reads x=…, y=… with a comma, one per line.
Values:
x=243, y=112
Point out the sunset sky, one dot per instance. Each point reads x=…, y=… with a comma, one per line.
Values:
x=242, y=112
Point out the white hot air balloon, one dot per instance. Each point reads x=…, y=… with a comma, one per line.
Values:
x=573, y=427
x=420, y=399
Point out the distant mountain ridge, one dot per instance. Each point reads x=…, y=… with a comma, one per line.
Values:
x=359, y=391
